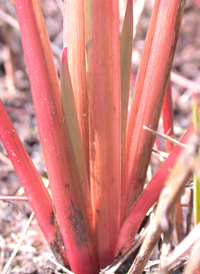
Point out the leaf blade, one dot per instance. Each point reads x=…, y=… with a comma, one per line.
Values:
x=125, y=63
x=105, y=126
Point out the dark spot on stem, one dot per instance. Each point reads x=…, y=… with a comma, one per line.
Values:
x=52, y=219
x=77, y=222
x=67, y=187
x=76, y=219
x=100, y=213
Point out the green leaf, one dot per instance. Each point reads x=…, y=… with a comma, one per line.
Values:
x=125, y=63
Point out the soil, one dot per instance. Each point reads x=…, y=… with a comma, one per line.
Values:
x=32, y=257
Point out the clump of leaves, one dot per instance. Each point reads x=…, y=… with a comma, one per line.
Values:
x=96, y=153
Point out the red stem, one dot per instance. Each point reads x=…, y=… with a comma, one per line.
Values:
x=29, y=178
x=45, y=89
x=168, y=116
x=147, y=199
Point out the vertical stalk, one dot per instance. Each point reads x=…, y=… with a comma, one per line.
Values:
x=148, y=97
x=37, y=194
x=168, y=116
x=70, y=208
x=105, y=126
x=148, y=198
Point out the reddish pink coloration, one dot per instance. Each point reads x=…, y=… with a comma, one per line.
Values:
x=29, y=178
x=74, y=39
x=196, y=3
x=47, y=103
x=148, y=197
x=168, y=117
x=92, y=96
x=147, y=101
x=75, y=154
x=195, y=94
x=105, y=128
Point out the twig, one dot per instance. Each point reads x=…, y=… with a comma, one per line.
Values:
x=179, y=222
x=13, y=198
x=9, y=70
x=167, y=203
x=6, y=160
x=167, y=241
x=164, y=136
x=9, y=19
x=190, y=213
x=193, y=262
x=59, y=265
x=152, y=264
x=181, y=249
x=161, y=153
x=2, y=249
x=18, y=245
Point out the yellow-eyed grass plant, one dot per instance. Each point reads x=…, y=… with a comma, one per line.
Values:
x=96, y=158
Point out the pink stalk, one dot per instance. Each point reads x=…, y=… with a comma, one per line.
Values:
x=168, y=116
x=148, y=97
x=29, y=178
x=74, y=40
x=46, y=97
x=75, y=149
x=105, y=127
x=148, y=197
